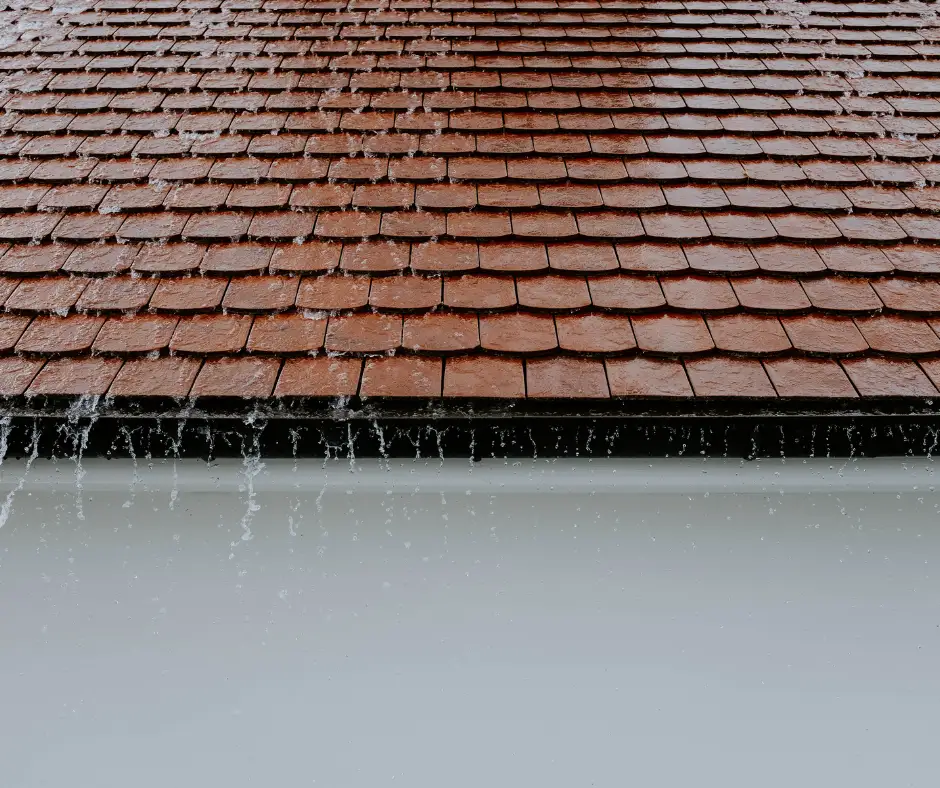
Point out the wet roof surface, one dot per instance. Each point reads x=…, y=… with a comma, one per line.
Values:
x=470, y=199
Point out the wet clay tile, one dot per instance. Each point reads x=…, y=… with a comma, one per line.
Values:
x=855, y=259
x=720, y=376
x=11, y=329
x=841, y=294
x=211, y=334
x=189, y=294
x=804, y=227
x=698, y=293
x=16, y=373
x=741, y=226
x=333, y=293
x=116, y=294
x=898, y=335
x=824, y=335
x=478, y=225
x=35, y=259
x=720, y=258
x=56, y=295
x=171, y=376
x=646, y=377
x=931, y=367
x=630, y=293
x=281, y=225
x=809, y=377
x=75, y=376
x=480, y=292
x=169, y=258
x=908, y=259
x=672, y=334
x=237, y=258
x=261, y=293
x=60, y=335
x=236, y=377
x=324, y=376
x=405, y=293
x=441, y=256
x=909, y=295
x=364, y=333
x=378, y=256
x=138, y=334
x=652, y=258
x=770, y=294
x=286, y=334
x=582, y=257
x=675, y=226
x=787, y=259
x=567, y=378
x=402, y=377
x=544, y=224
x=594, y=333
x=484, y=377
x=101, y=259
x=441, y=333
x=309, y=256
x=518, y=333
x=216, y=226
x=552, y=292
x=513, y=256
x=757, y=334
x=881, y=377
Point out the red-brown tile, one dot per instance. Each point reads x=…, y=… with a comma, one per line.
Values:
x=909, y=295
x=138, y=334
x=56, y=295
x=809, y=377
x=205, y=334
x=236, y=377
x=513, y=257
x=645, y=377
x=116, y=294
x=60, y=335
x=16, y=373
x=441, y=333
x=594, y=333
x=189, y=294
x=172, y=376
x=405, y=293
x=756, y=334
x=518, y=333
x=720, y=258
x=308, y=256
x=770, y=294
x=484, y=377
x=898, y=335
x=722, y=376
x=243, y=258
x=553, y=292
x=672, y=334
x=286, y=334
x=402, y=377
x=566, y=378
x=169, y=258
x=333, y=292
x=365, y=333
x=444, y=256
x=698, y=293
x=480, y=292
x=881, y=377
x=841, y=294
x=378, y=256
x=319, y=377
x=75, y=376
x=652, y=258
x=824, y=335
x=261, y=293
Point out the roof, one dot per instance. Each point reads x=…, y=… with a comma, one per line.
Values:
x=470, y=198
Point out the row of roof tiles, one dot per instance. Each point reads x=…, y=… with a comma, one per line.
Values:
x=474, y=377
x=551, y=292
x=515, y=333
x=455, y=257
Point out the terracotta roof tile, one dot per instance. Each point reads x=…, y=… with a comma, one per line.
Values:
x=704, y=183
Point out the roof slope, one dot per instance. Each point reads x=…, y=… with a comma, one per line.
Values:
x=529, y=198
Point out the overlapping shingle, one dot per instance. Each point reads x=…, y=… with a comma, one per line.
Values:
x=470, y=198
